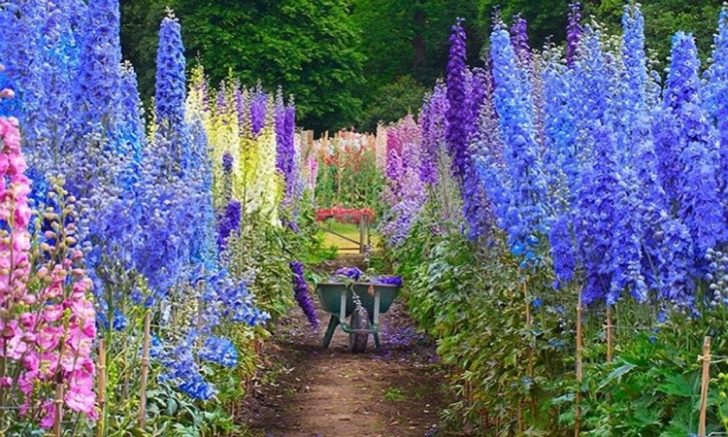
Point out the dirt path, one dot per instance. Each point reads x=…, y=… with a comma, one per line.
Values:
x=305, y=390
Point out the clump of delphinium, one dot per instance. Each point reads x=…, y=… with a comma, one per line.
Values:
x=594, y=181
x=301, y=292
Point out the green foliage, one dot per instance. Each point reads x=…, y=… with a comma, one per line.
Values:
x=140, y=21
x=258, y=253
x=309, y=244
x=512, y=377
x=394, y=394
x=335, y=54
x=309, y=47
x=663, y=18
x=406, y=44
x=653, y=385
x=392, y=102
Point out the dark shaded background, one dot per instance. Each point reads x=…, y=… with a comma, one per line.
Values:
x=351, y=63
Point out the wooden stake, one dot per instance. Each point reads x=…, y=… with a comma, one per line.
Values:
x=579, y=368
x=520, y=418
x=362, y=240
x=528, y=304
x=145, y=372
x=529, y=325
x=609, y=334
x=704, y=382
x=102, y=389
x=58, y=425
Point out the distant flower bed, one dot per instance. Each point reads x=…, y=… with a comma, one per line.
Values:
x=346, y=215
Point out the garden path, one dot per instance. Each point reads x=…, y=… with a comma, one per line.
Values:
x=305, y=390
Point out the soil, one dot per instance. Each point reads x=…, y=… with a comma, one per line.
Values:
x=308, y=391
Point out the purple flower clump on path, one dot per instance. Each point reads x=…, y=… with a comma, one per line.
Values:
x=349, y=272
x=303, y=297
x=395, y=281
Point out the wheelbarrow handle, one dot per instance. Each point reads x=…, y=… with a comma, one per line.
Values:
x=342, y=307
x=377, y=303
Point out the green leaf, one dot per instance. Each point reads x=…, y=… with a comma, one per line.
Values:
x=616, y=374
x=677, y=385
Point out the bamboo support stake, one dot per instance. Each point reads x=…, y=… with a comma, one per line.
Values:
x=102, y=389
x=528, y=305
x=145, y=372
x=529, y=325
x=610, y=350
x=579, y=367
x=362, y=240
x=520, y=418
x=704, y=382
x=58, y=425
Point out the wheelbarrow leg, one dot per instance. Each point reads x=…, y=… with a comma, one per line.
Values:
x=333, y=323
x=375, y=318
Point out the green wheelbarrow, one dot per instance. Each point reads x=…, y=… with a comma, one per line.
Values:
x=339, y=300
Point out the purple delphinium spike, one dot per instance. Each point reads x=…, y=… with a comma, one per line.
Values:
x=227, y=176
x=227, y=162
x=516, y=119
x=699, y=206
x=573, y=33
x=169, y=98
x=133, y=131
x=285, y=130
x=283, y=150
x=51, y=124
x=395, y=167
x=303, y=297
x=597, y=178
x=597, y=215
x=465, y=94
x=635, y=60
x=221, y=99
x=20, y=45
x=476, y=206
x=433, y=123
x=560, y=164
x=258, y=110
x=519, y=39
x=241, y=103
x=228, y=223
x=487, y=150
x=405, y=192
x=716, y=98
x=171, y=91
x=98, y=82
x=293, y=181
x=458, y=109
x=562, y=250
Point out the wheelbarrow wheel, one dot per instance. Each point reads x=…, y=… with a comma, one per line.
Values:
x=359, y=320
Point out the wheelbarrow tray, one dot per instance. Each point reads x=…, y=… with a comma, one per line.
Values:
x=338, y=299
x=330, y=296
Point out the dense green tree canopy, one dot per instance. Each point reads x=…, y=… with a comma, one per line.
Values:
x=353, y=62
x=309, y=47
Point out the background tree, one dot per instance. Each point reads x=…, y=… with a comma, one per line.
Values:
x=355, y=62
x=309, y=47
